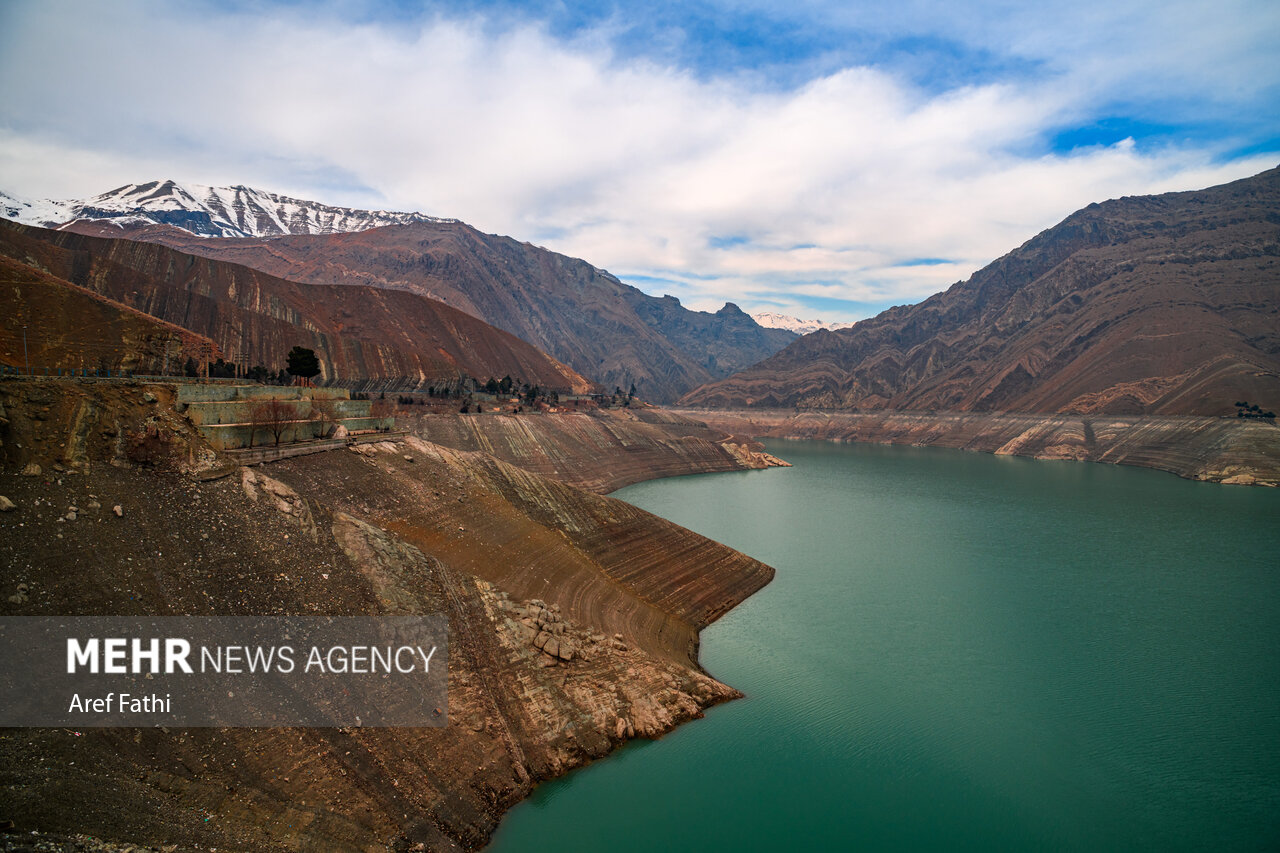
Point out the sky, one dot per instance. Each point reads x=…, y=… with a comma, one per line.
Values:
x=820, y=159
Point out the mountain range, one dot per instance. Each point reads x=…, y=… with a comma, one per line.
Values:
x=237, y=211
x=582, y=316
x=1166, y=304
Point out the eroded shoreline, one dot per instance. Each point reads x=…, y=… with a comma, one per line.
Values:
x=1225, y=450
x=510, y=554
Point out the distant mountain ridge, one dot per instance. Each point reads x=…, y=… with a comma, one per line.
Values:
x=770, y=320
x=1166, y=304
x=205, y=211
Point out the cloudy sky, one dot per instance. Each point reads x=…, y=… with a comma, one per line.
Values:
x=824, y=159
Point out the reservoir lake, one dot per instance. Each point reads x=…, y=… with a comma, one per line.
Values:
x=961, y=652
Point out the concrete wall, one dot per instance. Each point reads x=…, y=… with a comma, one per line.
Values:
x=241, y=411
x=236, y=436
x=224, y=413
x=197, y=392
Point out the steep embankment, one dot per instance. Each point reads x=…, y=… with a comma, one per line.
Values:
x=68, y=327
x=365, y=337
x=515, y=560
x=1227, y=450
x=583, y=316
x=598, y=451
x=1166, y=305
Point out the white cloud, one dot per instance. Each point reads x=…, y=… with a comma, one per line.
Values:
x=737, y=193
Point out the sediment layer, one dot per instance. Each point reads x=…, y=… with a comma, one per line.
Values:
x=599, y=451
x=1229, y=450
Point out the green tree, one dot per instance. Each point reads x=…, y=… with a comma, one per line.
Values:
x=303, y=362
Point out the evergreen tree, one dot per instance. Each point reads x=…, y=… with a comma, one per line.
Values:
x=303, y=362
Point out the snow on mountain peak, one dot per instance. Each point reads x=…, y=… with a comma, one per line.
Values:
x=206, y=211
x=770, y=320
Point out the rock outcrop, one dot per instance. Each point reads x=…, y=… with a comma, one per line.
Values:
x=1227, y=450
x=1156, y=305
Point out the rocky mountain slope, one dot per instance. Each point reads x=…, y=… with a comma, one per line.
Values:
x=237, y=211
x=410, y=526
x=582, y=316
x=72, y=328
x=365, y=337
x=1165, y=304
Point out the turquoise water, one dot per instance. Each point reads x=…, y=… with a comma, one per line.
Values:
x=962, y=652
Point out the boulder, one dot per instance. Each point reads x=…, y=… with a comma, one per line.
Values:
x=7, y=505
x=32, y=470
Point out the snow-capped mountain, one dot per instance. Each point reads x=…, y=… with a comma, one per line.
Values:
x=205, y=211
x=794, y=324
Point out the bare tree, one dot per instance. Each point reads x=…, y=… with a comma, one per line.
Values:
x=382, y=408
x=328, y=413
x=274, y=416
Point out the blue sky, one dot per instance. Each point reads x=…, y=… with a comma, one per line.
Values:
x=815, y=158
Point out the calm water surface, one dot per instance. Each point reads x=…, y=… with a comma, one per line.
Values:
x=962, y=652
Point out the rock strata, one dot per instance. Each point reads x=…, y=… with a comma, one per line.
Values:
x=1227, y=450
x=599, y=451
